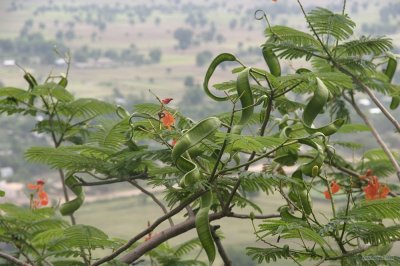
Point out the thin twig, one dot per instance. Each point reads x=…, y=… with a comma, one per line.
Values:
x=149, y=229
x=110, y=181
x=13, y=259
x=153, y=197
x=376, y=135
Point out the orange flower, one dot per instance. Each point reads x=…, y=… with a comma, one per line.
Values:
x=167, y=119
x=334, y=189
x=375, y=190
x=367, y=174
x=42, y=197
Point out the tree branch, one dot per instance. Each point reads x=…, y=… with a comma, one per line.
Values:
x=376, y=135
x=154, y=198
x=110, y=181
x=221, y=250
x=163, y=236
x=150, y=228
x=13, y=259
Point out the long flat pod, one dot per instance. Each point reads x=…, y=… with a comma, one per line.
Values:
x=224, y=57
x=314, y=107
x=203, y=226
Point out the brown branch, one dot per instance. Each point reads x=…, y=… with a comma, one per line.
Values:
x=153, y=197
x=221, y=250
x=13, y=259
x=388, y=115
x=163, y=236
x=110, y=181
x=376, y=135
x=246, y=216
x=161, y=219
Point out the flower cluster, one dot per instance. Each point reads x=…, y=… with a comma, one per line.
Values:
x=374, y=189
x=39, y=197
x=166, y=118
x=334, y=189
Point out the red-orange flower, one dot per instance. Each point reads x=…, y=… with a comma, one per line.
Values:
x=375, y=190
x=166, y=100
x=334, y=189
x=174, y=141
x=167, y=119
x=42, y=197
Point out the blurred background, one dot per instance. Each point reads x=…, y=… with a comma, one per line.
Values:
x=121, y=49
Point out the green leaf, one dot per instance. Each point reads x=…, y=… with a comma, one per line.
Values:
x=376, y=209
x=365, y=46
x=16, y=93
x=352, y=128
x=325, y=22
x=270, y=254
x=53, y=89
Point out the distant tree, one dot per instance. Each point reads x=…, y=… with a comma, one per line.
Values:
x=69, y=34
x=28, y=23
x=189, y=81
x=232, y=24
x=184, y=37
x=155, y=55
x=112, y=54
x=60, y=35
x=220, y=38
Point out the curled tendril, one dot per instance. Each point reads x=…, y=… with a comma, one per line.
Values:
x=260, y=14
x=135, y=115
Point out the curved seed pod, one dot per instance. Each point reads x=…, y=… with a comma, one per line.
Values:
x=224, y=57
x=318, y=160
x=246, y=99
x=31, y=80
x=272, y=61
x=389, y=72
x=70, y=207
x=395, y=102
x=298, y=194
x=182, y=149
x=391, y=68
x=203, y=226
x=314, y=107
x=302, y=70
x=32, y=83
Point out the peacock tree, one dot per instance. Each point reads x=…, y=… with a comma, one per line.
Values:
x=291, y=121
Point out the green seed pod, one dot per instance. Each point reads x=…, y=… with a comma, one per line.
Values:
x=203, y=226
x=63, y=82
x=302, y=70
x=391, y=68
x=301, y=198
x=395, y=102
x=31, y=80
x=272, y=61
